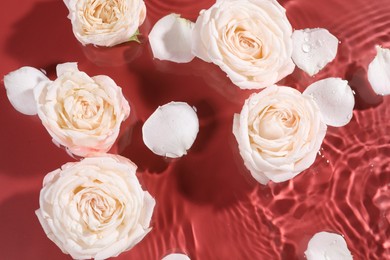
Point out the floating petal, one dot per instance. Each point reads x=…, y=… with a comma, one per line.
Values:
x=171, y=39
x=171, y=130
x=176, y=256
x=313, y=49
x=19, y=85
x=335, y=99
x=327, y=246
x=379, y=71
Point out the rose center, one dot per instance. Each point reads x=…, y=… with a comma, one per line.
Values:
x=276, y=124
x=105, y=11
x=249, y=43
x=87, y=110
x=96, y=207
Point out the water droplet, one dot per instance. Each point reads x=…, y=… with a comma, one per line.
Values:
x=306, y=47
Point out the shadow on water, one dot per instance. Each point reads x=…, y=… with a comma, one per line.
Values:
x=22, y=237
x=40, y=35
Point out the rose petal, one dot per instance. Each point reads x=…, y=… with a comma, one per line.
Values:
x=379, y=71
x=199, y=43
x=176, y=256
x=334, y=98
x=327, y=246
x=19, y=85
x=241, y=133
x=171, y=129
x=66, y=67
x=147, y=212
x=171, y=39
x=313, y=49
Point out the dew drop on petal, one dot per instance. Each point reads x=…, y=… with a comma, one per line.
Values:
x=306, y=47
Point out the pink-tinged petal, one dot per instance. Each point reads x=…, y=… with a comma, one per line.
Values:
x=171, y=39
x=334, y=98
x=20, y=84
x=379, y=71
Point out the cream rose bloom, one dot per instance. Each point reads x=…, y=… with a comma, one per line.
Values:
x=250, y=40
x=279, y=132
x=95, y=208
x=105, y=23
x=83, y=114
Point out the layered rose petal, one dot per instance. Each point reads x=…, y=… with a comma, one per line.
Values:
x=250, y=40
x=105, y=23
x=95, y=208
x=83, y=114
x=171, y=130
x=171, y=39
x=20, y=85
x=279, y=132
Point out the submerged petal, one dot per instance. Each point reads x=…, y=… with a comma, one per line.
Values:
x=334, y=98
x=171, y=39
x=313, y=49
x=19, y=85
x=171, y=129
x=379, y=71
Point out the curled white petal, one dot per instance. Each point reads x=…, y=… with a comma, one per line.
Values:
x=379, y=71
x=334, y=98
x=327, y=246
x=171, y=129
x=176, y=256
x=313, y=49
x=19, y=85
x=171, y=39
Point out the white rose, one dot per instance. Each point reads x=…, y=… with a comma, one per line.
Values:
x=95, y=208
x=83, y=114
x=250, y=40
x=279, y=132
x=105, y=23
